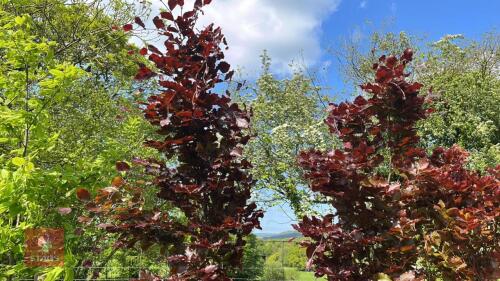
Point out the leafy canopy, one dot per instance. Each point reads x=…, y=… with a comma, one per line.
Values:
x=67, y=117
x=287, y=118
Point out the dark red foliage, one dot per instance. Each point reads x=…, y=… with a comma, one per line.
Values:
x=158, y=22
x=122, y=166
x=139, y=21
x=209, y=186
x=144, y=73
x=127, y=27
x=167, y=16
x=83, y=194
x=399, y=211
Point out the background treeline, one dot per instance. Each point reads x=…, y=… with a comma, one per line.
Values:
x=68, y=112
x=274, y=259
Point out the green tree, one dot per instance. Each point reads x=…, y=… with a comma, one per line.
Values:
x=295, y=256
x=465, y=82
x=253, y=260
x=32, y=80
x=463, y=76
x=356, y=59
x=83, y=32
x=287, y=118
x=291, y=254
x=273, y=270
x=68, y=114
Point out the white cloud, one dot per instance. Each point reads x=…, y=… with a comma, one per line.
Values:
x=362, y=5
x=287, y=29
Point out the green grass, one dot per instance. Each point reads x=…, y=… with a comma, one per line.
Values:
x=294, y=274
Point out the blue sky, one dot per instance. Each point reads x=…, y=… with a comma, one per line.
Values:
x=424, y=18
x=303, y=30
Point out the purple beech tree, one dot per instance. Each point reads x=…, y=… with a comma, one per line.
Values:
x=401, y=214
x=204, y=211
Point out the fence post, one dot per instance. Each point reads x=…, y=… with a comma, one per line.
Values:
x=283, y=254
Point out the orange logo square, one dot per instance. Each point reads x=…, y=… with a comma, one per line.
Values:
x=44, y=247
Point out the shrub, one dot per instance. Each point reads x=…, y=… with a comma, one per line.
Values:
x=273, y=271
x=400, y=212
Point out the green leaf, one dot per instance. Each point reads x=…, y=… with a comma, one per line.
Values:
x=10, y=272
x=30, y=167
x=18, y=161
x=54, y=274
x=382, y=277
x=20, y=20
x=4, y=174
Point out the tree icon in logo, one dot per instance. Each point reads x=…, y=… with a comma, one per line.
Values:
x=44, y=247
x=45, y=243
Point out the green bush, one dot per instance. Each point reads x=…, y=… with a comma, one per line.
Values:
x=273, y=271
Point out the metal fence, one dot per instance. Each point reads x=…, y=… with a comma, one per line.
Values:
x=278, y=272
x=126, y=277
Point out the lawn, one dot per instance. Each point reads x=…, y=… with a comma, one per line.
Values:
x=294, y=274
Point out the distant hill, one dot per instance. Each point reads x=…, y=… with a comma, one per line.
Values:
x=283, y=235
